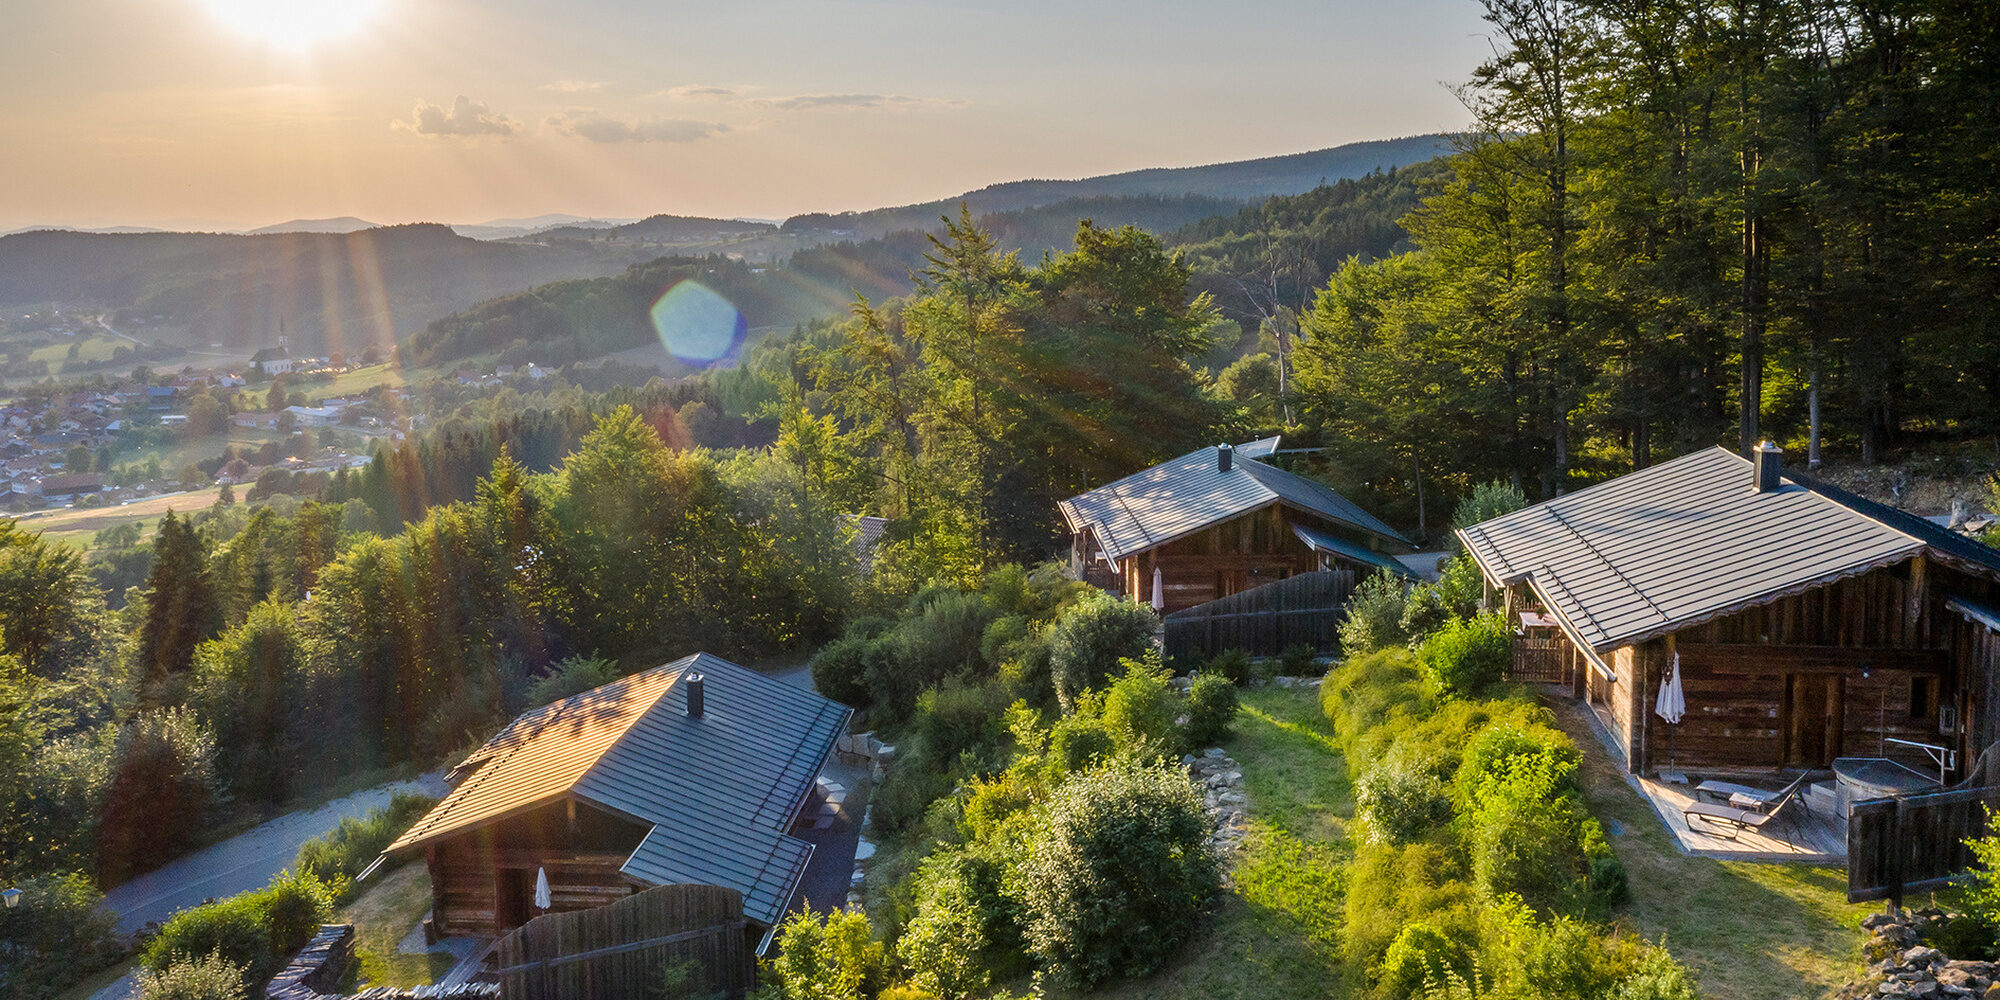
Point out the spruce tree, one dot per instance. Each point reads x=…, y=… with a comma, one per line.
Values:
x=181, y=608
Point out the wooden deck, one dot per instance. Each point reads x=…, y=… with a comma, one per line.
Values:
x=1817, y=838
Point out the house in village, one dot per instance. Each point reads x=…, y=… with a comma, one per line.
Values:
x=1808, y=624
x=272, y=361
x=692, y=772
x=1218, y=521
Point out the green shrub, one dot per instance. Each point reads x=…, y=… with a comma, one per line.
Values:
x=830, y=958
x=1560, y=958
x=1233, y=664
x=1502, y=751
x=961, y=719
x=1960, y=936
x=1486, y=502
x=1421, y=954
x=940, y=641
x=1141, y=708
x=1523, y=842
x=295, y=905
x=1078, y=742
x=571, y=677
x=868, y=627
x=1360, y=695
x=840, y=669
x=1091, y=637
x=343, y=853
x=1391, y=886
x=54, y=935
x=1425, y=611
x=1468, y=655
x=210, y=977
x=1296, y=660
x=1005, y=639
x=684, y=979
x=1211, y=710
x=1399, y=800
x=1116, y=874
x=1374, y=616
x=233, y=929
x=1658, y=977
x=1608, y=885
x=964, y=930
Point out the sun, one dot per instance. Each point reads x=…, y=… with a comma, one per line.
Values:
x=294, y=24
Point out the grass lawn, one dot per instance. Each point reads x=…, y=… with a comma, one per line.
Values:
x=1276, y=931
x=99, y=980
x=382, y=916
x=354, y=380
x=1749, y=931
x=80, y=525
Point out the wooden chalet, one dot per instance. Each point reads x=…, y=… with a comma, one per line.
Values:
x=690, y=773
x=1808, y=623
x=1219, y=521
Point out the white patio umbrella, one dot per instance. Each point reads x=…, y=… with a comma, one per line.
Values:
x=542, y=889
x=1159, y=592
x=1671, y=704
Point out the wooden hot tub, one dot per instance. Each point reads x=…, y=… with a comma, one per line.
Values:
x=1864, y=778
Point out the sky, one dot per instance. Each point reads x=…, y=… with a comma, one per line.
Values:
x=224, y=114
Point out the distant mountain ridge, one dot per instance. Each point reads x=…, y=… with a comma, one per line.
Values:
x=1238, y=180
x=339, y=224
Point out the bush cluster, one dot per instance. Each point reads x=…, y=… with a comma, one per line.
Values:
x=252, y=931
x=338, y=857
x=1479, y=871
x=54, y=936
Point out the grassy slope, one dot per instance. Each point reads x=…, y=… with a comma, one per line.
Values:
x=80, y=525
x=1749, y=931
x=381, y=917
x=1276, y=932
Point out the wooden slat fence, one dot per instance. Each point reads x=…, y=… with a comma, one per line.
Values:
x=1541, y=656
x=619, y=951
x=1915, y=843
x=1265, y=621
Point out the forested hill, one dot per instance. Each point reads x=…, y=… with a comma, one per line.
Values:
x=1241, y=181
x=572, y=320
x=1279, y=252
x=661, y=229
x=330, y=290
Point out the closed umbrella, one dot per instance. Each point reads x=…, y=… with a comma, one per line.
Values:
x=542, y=889
x=1159, y=592
x=1671, y=704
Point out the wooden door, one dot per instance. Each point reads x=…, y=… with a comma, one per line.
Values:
x=1813, y=714
x=514, y=897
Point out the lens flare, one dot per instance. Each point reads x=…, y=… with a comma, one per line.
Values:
x=294, y=24
x=697, y=325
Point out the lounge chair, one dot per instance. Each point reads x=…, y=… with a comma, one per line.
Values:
x=1740, y=796
x=1730, y=820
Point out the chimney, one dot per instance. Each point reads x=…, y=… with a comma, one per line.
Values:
x=695, y=700
x=1767, y=463
x=1225, y=457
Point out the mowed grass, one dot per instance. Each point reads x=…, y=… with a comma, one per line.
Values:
x=79, y=526
x=1748, y=931
x=1276, y=931
x=382, y=917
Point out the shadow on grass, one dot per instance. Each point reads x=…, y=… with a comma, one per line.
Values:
x=1750, y=931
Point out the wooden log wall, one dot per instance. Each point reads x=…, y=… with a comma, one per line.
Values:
x=1256, y=549
x=477, y=873
x=617, y=952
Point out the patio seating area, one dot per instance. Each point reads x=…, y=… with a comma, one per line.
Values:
x=1809, y=831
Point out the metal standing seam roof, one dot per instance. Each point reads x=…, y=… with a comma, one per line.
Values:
x=1321, y=541
x=1688, y=540
x=1184, y=495
x=718, y=791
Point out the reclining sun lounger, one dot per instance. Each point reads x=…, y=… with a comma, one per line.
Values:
x=1731, y=820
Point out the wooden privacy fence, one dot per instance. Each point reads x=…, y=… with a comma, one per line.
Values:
x=1541, y=656
x=1915, y=843
x=1266, y=620
x=619, y=951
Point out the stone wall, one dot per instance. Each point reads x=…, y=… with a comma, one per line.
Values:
x=1903, y=966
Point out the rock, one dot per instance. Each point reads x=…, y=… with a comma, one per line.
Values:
x=1213, y=752
x=1897, y=935
x=863, y=850
x=1874, y=920
x=1922, y=956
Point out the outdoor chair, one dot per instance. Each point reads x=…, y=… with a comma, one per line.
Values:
x=1731, y=820
x=1740, y=796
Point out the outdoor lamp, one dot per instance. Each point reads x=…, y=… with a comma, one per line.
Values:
x=12, y=896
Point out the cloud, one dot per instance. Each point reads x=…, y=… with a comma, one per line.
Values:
x=598, y=127
x=849, y=102
x=465, y=117
x=697, y=92
x=574, y=86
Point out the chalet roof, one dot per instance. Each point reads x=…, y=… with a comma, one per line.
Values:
x=271, y=354
x=1689, y=540
x=1189, y=493
x=718, y=791
x=1320, y=541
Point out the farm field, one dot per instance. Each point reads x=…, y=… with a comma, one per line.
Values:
x=77, y=526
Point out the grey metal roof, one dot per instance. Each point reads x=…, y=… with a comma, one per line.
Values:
x=1189, y=493
x=1323, y=542
x=1670, y=546
x=718, y=790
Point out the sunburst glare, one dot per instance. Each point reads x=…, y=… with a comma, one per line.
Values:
x=294, y=24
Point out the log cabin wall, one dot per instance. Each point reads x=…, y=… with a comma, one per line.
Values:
x=1831, y=672
x=1229, y=557
x=478, y=879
